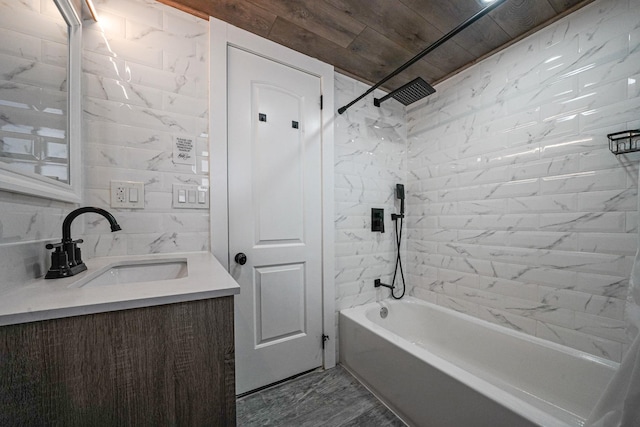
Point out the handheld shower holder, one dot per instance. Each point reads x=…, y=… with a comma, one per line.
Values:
x=377, y=283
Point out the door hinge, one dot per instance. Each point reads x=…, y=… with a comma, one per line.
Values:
x=321, y=102
x=325, y=338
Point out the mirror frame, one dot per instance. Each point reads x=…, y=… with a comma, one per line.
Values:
x=45, y=187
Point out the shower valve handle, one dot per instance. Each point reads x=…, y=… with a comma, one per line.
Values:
x=240, y=258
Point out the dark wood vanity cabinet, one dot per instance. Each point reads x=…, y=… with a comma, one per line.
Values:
x=168, y=365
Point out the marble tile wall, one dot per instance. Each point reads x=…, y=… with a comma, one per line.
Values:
x=518, y=212
x=26, y=224
x=370, y=159
x=145, y=82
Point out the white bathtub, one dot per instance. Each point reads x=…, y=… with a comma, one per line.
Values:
x=439, y=368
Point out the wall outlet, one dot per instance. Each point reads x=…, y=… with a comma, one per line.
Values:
x=127, y=194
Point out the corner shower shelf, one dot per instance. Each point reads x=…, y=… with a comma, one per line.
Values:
x=627, y=141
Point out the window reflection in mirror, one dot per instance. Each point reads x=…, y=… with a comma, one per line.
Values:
x=40, y=98
x=33, y=89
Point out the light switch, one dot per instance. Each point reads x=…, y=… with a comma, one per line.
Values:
x=190, y=196
x=133, y=195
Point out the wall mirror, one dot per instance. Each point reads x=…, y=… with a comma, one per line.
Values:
x=40, y=96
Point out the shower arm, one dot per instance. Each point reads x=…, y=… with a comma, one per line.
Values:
x=430, y=48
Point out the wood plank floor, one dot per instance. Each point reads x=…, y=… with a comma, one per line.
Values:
x=327, y=398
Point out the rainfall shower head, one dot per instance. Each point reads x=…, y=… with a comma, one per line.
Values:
x=413, y=91
x=421, y=85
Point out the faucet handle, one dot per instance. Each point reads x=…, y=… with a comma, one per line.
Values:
x=53, y=245
x=61, y=244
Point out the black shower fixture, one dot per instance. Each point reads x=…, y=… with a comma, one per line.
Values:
x=420, y=55
x=377, y=220
x=413, y=91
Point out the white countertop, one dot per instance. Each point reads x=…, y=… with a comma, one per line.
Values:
x=42, y=299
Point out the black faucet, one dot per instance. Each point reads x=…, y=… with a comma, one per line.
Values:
x=66, y=259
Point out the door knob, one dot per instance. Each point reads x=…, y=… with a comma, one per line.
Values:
x=240, y=258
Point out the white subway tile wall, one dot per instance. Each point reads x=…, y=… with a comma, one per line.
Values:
x=26, y=223
x=145, y=82
x=370, y=159
x=518, y=212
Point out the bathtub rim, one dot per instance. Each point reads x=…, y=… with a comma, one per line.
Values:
x=480, y=385
x=360, y=310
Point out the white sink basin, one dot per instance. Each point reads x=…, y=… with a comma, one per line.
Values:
x=125, y=272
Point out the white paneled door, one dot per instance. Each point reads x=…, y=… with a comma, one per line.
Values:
x=275, y=220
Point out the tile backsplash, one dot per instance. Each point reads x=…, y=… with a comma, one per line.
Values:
x=145, y=83
x=26, y=223
x=518, y=212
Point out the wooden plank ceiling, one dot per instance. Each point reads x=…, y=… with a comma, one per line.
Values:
x=368, y=39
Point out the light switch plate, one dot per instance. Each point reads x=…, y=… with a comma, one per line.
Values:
x=122, y=196
x=190, y=196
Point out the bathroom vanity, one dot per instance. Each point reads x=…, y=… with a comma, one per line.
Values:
x=88, y=350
